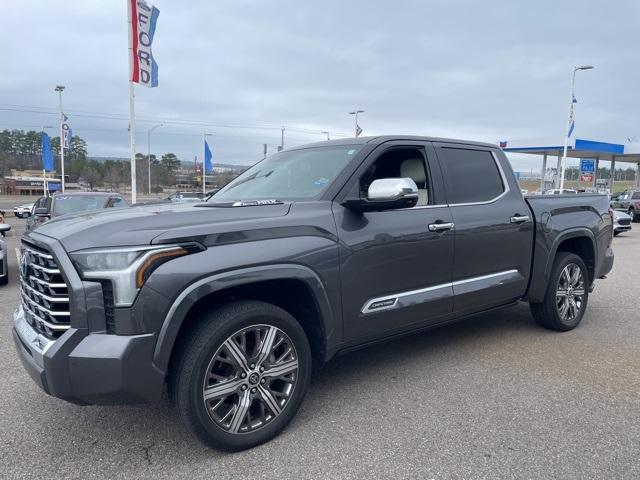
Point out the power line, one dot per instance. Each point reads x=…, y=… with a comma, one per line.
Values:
x=118, y=116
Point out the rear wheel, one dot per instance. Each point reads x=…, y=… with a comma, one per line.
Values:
x=632, y=214
x=567, y=294
x=241, y=375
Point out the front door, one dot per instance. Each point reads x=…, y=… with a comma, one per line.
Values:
x=395, y=270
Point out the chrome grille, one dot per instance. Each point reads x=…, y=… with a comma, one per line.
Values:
x=624, y=221
x=45, y=295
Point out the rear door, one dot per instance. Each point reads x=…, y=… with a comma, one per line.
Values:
x=395, y=269
x=493, y=227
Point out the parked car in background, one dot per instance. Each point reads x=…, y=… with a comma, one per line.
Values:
x=313, y=251
x=621, y=222
x=23, y=211
x=186, y=197
x=46, y=208
x=564, y=191
x=1, y=221
x=628, y=201
x=4, y=266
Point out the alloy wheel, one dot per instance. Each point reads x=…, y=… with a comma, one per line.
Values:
x=570, y=292
x=250, y=379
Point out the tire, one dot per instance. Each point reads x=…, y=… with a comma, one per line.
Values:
x=204, y=362
x=615, y=234
x=4, y=280
x=632, y=214
x=548, y=313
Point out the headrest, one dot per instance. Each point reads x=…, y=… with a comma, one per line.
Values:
x=413, y=168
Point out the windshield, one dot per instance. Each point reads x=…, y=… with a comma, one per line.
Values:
x=81, y=203
x=297, y=174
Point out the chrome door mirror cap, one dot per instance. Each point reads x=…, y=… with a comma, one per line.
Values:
x=4, y=227
x=387, y=189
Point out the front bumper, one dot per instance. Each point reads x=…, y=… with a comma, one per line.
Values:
x=94, y=368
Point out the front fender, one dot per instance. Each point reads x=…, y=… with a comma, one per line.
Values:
x=214, y=283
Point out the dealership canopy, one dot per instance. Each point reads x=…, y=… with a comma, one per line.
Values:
x=579, y=148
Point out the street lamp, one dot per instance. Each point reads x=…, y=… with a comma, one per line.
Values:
x=328, y=135
x=570, y=120
x=356, y=112
x=60, y=89
x=149, y=151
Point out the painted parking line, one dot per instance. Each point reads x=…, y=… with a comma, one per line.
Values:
x=18, y=255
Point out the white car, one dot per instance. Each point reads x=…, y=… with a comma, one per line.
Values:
x=621, y=222
x=23, y=211
x=564, y=191
x=4, y=259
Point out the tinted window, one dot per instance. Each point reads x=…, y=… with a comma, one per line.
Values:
x=471, y=175
x=636, y=196
x=78, y=203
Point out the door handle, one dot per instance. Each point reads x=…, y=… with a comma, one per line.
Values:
x=440, y=227
x=519, y=218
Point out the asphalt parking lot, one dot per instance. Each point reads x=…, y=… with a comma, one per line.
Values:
x=495, y=396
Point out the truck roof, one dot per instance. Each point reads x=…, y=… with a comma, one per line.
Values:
x=385, y=138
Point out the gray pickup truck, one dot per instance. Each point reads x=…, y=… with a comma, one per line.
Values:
x=314, y=251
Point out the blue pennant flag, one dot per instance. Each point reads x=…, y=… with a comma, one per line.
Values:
x=47, y=156
x=208, y=157
x=573, y=124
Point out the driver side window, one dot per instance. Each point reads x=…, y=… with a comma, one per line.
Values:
x=400, y=162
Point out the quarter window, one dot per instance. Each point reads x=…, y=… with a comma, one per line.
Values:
x=472, y=175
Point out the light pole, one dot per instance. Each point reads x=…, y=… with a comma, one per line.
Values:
x=355, y=128
x=60, y=89
x=570, y=121
x=328, y=135
x=149, y=132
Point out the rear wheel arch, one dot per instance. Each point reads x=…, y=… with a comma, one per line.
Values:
x=294, y=288
x=578, y=241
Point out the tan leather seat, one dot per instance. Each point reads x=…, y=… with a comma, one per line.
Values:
x=414, y=168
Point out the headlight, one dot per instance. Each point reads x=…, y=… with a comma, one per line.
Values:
x=127, y=268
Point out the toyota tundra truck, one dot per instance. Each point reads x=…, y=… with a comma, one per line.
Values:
x=311, y=252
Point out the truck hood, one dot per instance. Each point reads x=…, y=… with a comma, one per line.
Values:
x=141, y=225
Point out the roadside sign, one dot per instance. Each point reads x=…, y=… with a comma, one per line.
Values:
x=587, y=165
x=586, y=177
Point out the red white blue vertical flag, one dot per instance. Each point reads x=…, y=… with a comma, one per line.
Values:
x=144, y=17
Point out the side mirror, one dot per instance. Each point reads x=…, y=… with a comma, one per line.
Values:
x=386, y=194
x=41, y=212
x=4, y=227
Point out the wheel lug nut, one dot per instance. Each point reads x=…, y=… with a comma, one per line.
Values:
x=253, y=365
x=243, y=388
x=263, y=381
x=254, y=390
x=262, y=369
x=243, y=374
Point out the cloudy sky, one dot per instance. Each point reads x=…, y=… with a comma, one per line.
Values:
x=497, y=70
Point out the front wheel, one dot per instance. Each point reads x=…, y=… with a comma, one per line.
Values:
x=632, y=214
x=567, y=294
x=241, y=375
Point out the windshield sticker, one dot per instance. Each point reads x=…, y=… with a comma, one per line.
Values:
x=321, y=181
x=351, y=152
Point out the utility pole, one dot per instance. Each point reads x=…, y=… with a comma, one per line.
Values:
x=570, y=123
x=355, y=127
x=59, y=89
x=281, y=140
x=149, y=132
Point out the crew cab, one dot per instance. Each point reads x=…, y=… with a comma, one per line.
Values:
x=314, y=251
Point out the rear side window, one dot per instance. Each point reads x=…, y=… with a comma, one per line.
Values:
x=636, y=196
x=471, y=175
